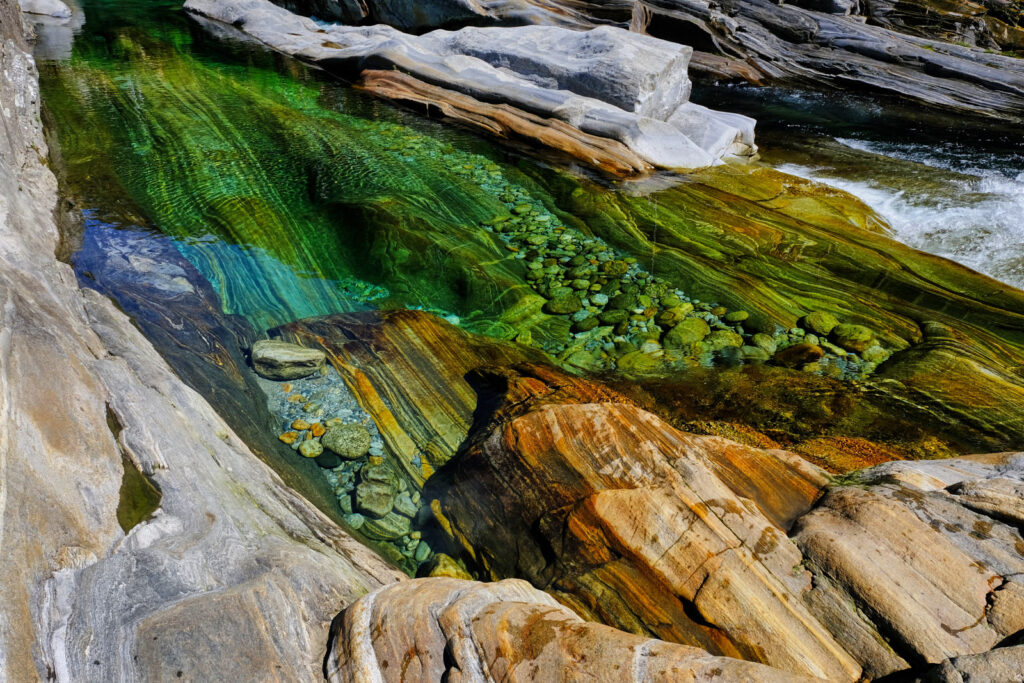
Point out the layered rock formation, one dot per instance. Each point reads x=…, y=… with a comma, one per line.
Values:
x=827, y=44
x=682, y=537
x=606, y=82
x=949, y=56
x=446, y=629
x=231, y=572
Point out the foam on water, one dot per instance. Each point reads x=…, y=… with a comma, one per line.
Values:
x=976, y=218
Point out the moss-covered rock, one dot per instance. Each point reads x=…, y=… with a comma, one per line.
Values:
x=854, y=338
x=350, y=441
x=687, y=332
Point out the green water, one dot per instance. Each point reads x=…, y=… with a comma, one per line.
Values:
x=281, y=186
x=294, y=195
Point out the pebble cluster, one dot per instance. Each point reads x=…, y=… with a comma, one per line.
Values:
x=320, y=419
x=616, y=314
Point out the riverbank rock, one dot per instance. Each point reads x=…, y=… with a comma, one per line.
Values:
x=49, y=8
x=281, y=361
x=606, y=82
x=409, y=369
x=230, y=559
x=439, y=629
x=647, y=528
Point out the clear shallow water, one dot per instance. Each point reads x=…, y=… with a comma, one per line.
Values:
x=976, y=220
x=945, y=187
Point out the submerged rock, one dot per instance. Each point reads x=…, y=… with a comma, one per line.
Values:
x=282, y=361
x=820, y=322
x=350, y=441
x=854, y=338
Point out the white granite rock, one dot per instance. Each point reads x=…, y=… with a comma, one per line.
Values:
x=607, y=81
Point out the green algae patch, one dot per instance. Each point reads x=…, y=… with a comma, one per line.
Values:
x=139, y=496
x=138, y=499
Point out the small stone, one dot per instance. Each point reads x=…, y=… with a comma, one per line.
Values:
x=350, y=441
x=820, y=322
x=405, y=506
x=375, y=460
x=854, y=338
x=522, y=209
x=875, y=354
x=829, y=348
x=689, y=331
x=754, y=354
x=566, y=304
x=355, y=520
x=286, y=388
x=375, y=499
x=334, y=422
x=736, y=316
x=311, y=448
x=599, y=299
x=670, y=301
x=317, y=429
x=720, y=339
x=798, y=355
x=328, y=460
x=289, y=437
x=719, y=311
x=345, y=503
x=585, y=325
x=613, y=317
x=300, y=425
x=422, y=552
x=387, y=528
x=765, y=342
x=280, y=360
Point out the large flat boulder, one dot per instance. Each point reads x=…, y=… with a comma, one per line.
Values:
x=607, y=82
x=450, y=629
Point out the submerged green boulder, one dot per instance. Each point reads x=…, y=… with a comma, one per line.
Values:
x=564, y=304
x=687, y=332
x=820, y=323
x=722, y=339
x=854, y=338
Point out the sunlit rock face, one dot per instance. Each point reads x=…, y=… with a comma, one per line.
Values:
x=208, y=569
x=663, y=533
x=447, y=629
x=606, y=82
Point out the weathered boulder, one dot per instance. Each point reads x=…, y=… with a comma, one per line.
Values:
x=350, y=441
x=49, y=8
x=829, y=44
x=450, y=629
x=282, y=361
x=606, y=82
x=640, y=526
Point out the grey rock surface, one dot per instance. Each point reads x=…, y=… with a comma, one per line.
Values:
x=232, y=573
x=49, y=8
x=283, y=361
x=607, y=82
x=785, y=42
